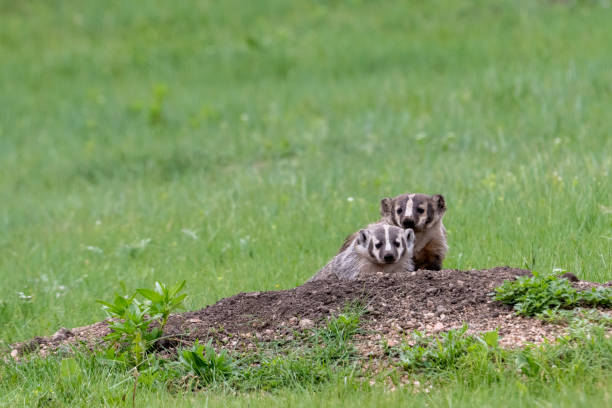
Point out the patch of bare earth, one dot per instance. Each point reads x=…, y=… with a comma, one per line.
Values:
x=397, y=304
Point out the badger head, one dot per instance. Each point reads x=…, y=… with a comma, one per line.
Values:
x=385, y=244
x=417, y=211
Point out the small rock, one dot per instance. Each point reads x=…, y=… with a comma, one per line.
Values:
x=410, y=324
x=440, y=309
x=306, y=324
x=570, y=277
x=392, y=342
x=14, y=353
x=438, y=327
x=62, y=334
x=429, y=315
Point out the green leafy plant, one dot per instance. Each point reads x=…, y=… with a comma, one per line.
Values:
x=206, y=363
x=598, y=296
x=531, y=295
x=132, y=334
x=163, y=300
x=445, y=350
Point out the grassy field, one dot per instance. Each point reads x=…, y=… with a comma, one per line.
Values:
x=235, y=144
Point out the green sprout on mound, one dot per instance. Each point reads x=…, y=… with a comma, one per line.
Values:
x=137, y=324
x=530, y=295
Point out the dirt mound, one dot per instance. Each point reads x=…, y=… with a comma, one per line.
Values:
x=428, y=301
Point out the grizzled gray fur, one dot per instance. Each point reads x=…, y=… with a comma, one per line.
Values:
x=378, y=248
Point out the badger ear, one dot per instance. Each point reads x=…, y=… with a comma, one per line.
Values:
x=409, y=237
x=439, y=202
x=386, y=206
x=362, y=237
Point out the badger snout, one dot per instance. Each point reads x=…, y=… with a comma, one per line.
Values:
x=408, y=223
x=389, y=258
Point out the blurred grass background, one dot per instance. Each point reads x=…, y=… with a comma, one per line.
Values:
x=235, y=144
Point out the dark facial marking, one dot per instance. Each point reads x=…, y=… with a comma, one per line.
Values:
x=364, y=239
x=430, y=214
x=394, y=239
x=371, y=250
x=400, y=203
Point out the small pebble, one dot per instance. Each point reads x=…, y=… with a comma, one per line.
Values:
x=392, y=342
x=306, y=324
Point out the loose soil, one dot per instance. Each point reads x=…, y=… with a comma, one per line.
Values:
x=396, y=304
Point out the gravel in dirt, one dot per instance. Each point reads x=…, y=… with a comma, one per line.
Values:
x=396, y=305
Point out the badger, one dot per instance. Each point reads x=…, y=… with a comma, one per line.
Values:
x=377, y=248
x=423, y=214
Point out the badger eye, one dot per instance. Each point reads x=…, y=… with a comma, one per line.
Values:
x=378, y=245
x=420, y=210
x=399, y=210
x=397, y=244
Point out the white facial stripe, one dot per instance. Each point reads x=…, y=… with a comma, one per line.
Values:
x=387, y=240
x=397, y=217
x=408, y=209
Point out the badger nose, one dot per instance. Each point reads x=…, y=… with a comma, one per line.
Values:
x=389, y=258
x=408, y=223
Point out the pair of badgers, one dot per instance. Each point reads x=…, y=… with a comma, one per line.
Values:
x=409, y=235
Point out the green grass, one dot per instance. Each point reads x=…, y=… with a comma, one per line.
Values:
x=447, y=369
x=126, y=128
x=531, y=295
